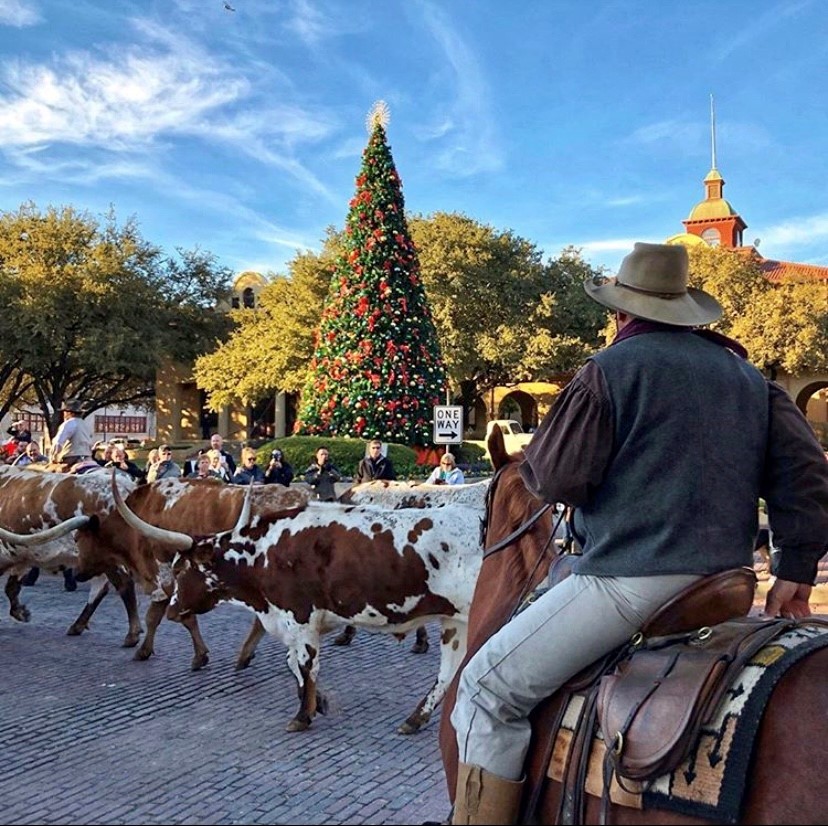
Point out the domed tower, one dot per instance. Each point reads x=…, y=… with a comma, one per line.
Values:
x=714, y=220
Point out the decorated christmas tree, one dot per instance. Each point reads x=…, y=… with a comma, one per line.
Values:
x=377, y=370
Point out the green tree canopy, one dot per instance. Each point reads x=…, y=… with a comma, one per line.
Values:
x=781, y=325
x=96, y=309
x=271, y=346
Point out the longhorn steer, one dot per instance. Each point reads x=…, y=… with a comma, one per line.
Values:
x=35, y=506
x=302, y=575
x=395, y=495
x=190, y=505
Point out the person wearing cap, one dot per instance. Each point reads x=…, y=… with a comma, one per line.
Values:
x=163, y=467
x=663, y=444
x=73, y=440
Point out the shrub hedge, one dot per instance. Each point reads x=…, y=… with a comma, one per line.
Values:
x=346, y=454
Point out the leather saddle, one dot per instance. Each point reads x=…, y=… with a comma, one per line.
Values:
x=651, y=696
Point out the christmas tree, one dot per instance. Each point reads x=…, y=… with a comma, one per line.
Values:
x=377, y=370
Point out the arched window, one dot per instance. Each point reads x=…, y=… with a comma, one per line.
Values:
x=712, y=237
x=249, y=298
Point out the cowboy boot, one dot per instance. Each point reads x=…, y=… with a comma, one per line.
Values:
x=421, y=642
x=345, y=636
x=485, y=798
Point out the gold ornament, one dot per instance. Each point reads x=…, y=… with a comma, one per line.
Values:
x=380, y=115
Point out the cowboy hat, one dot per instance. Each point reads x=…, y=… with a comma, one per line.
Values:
x=652, y=284
x=72, y=405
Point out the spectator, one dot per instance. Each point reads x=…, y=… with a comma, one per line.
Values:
x=447, y=473
x=120, y=460
x=204, y=470
x=164, y=467
x=21, y=430
x=104, y=460
x=322, y=474
x=73, y=441
x=152, y=459
x=375, y=465
x=218, y=464
x=216, y=443
x=250, y=470
x=279, y=471
x=191, y=462
x=31, y=455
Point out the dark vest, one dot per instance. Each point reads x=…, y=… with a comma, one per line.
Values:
x=681, y=491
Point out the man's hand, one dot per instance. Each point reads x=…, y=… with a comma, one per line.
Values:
x=788, y=599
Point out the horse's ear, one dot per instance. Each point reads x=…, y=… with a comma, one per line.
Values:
x=497, y=448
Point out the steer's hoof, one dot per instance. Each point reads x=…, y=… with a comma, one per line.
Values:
x=131, y=639
x=419, y=647
x=322, y=703
x=76, y=629
x=199, y=661
x=298, y=725
x=409, y=727
x=21, y=613
x=345, y=636
x=142, y=654
x=243, y=662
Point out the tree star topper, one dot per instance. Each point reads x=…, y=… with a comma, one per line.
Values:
x=379, y=115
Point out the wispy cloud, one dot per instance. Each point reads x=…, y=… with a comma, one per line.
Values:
x=308, y=22
x=468, y=128
x=768, y=22
x=797, y=232
x=127, y=99
x=19, y=13
x=607, y=245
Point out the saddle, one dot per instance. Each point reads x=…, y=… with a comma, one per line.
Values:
x=651, y=696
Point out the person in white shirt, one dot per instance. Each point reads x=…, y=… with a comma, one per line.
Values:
x=73, y=441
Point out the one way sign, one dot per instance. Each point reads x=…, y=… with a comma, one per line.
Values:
x=448, y=424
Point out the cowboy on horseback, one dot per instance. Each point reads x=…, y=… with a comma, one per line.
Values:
x=73, y=441
x=677, y=422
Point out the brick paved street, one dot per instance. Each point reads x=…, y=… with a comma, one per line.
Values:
x=90, y=736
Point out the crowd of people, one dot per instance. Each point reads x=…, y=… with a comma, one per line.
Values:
x=73, y=450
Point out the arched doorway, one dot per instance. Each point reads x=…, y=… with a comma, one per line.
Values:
x=519, y=406
x=812, y=400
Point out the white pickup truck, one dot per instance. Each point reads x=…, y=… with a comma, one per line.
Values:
x=513, y=434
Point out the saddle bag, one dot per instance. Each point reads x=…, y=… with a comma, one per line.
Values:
x=652, y=707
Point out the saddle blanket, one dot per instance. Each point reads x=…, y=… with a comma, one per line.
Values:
x=710, y=783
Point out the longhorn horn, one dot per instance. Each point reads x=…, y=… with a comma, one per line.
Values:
x=244, y=516
x=179, y=541
x=55, y=532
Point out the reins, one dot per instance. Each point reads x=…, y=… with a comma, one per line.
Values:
x=516, y=534
x=519, y=531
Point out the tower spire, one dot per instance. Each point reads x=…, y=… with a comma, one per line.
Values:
x=713, y=130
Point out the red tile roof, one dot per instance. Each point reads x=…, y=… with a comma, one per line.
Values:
x=778, y=272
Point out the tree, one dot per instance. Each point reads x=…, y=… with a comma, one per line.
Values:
x=96, y=309
x=502, y=315
x=377, y=370
x=271, y=346
x=781, y=325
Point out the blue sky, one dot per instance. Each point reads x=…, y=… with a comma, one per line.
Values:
x=567, y=121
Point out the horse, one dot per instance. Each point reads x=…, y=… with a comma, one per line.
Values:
x=783, y=783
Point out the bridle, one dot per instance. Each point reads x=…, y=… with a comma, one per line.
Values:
x=519, y=531
x=516, y=534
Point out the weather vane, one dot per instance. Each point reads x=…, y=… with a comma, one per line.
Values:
x=379, y=115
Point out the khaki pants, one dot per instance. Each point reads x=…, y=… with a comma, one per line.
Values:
x=570, y=626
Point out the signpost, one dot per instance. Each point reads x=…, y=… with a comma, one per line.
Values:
x=448, y=424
